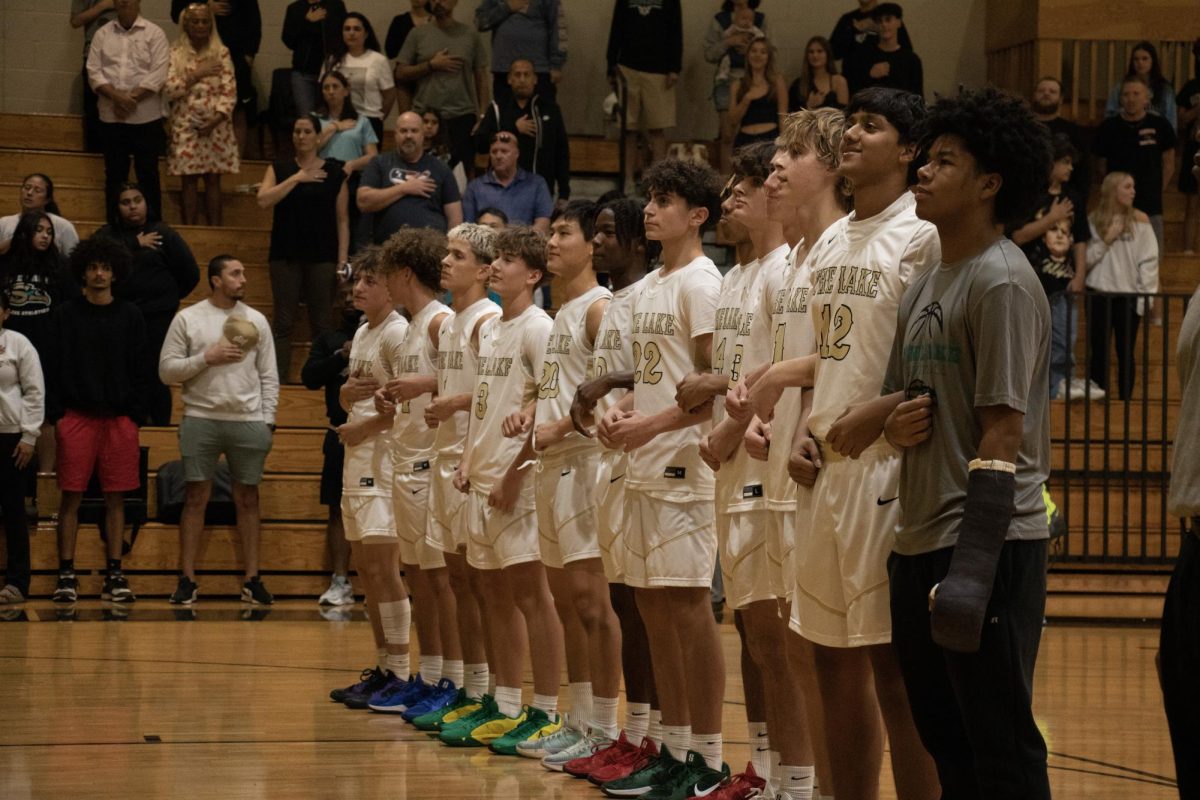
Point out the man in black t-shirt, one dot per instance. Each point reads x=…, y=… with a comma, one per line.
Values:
x=857, y=27
x=1046, y=104
x=885, y=61
x=409, y=187
x=1142, y=144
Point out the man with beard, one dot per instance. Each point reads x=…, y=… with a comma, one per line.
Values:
x=1045, y=104
x=409, y=187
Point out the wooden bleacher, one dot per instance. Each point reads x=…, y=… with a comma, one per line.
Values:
x=293, y=548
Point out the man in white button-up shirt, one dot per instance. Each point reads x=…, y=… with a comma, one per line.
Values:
x=127, y=67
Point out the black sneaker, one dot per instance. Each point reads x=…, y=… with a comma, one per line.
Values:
x=253, y=591
x=370, y=681
x=67, y=590
x=116, y=588
x=185, y=592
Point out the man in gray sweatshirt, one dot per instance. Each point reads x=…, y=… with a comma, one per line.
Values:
x=222, y=351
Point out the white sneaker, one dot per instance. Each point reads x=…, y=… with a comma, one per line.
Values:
x=1060, y=390
x=1096, y=392
x=339, y=593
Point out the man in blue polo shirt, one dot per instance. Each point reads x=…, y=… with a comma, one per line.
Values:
x=522, y=195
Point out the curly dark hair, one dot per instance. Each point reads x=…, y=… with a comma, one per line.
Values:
x=754, y=161
x=1003, y=136
x=526, y=244
x=1061, y=147
x=581, y=212
x=418, y=249
x=630, y=224
x=698, y=184
x=101, y=250
x=903, y=110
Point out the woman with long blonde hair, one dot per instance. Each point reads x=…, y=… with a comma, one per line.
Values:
x=759, y=97
x=1122, y=260
x=202, y=91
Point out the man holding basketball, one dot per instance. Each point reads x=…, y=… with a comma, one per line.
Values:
x=222, y=352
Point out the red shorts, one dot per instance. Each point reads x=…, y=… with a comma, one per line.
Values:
x=105, y=445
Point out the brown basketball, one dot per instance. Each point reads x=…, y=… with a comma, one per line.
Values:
x=240, y=332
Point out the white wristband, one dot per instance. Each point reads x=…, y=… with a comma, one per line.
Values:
x=992, y=464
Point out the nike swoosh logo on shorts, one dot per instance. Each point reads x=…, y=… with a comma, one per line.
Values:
x=879, y=501
x=414, y=491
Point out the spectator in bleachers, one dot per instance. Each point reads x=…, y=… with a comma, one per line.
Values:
x=91, y=15
x=310, y=236
x=493, y=217
x=37, y=194
x=645, y=55
x=22, y=410
x=733, y=28
x=163, y=272
x=239, y=22
x=522, y=195
x=402, y=25
x=885, y=61
x=202, y=91
x=1144, y=64
x=1046, y=104
x=1142, y=144
x=527, y=30
x=437, y=143
x=95, y=395
x=538, y=124
x=357, y=57
x=311, y=30
x=819, y=84
x=35, y=273
x=858, y=27
x=408, y=186
x=222, y=352
x=1055, y=241
x=131, y=106
x=759, y=97
x=1189, y=132
x=1122, y=261
x=350, y=138
x=446, y=59
x=327, y=368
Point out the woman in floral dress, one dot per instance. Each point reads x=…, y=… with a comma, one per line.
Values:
x=202, y=91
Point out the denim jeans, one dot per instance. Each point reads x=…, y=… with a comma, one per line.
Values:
x=1064, y=328
x=305, y=92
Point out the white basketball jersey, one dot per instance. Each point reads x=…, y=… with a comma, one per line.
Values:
x=858, y=275
x=735, y=283
x=413, y=356
x=743, y=486
x=669, y=312
x=564, y=367
x=613, y=352
x=457, y=361
x=510, y=359
x=367, y=469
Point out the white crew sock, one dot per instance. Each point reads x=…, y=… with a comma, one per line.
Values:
x=581, y=704
x=797, y=782
x=709, y=745
x=508, y=700
x=776, y=761
x=453, y=672
x=604, y=715
x=431, y=669
x=637, y=722
x=760, y=750
x=655, y=732
x=547, y=703
x=677, y=738
x=476, y=680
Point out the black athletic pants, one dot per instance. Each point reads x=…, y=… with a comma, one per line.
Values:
x=1179, y=662
x=1112, y=315
x=12, y=501
x=974, y=711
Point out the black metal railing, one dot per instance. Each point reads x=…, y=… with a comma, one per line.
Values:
x=1111, y=451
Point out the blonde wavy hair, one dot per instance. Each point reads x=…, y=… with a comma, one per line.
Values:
x=1108, y=209
x=182, y=50
x=818, y=131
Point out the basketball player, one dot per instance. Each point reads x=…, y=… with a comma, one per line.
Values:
x=670, y=543
x=367, y=480
x=465, y=269
x=973, y=344
x=500, y=517
x=411, y=263
x=566, y=487
x=620, y=249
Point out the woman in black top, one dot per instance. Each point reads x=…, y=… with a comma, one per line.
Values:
x=310, y=236
x=35, y=273
x=759, y=98
x=164, y=272
x=398, y=31
x=819, y=85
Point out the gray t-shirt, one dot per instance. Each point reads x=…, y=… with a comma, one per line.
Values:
x=978, y=334
x=414, y=211
x=1183, y=499
x=89, y=30
x=451, y=94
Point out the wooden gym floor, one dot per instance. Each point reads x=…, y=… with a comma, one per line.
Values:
x=233, y=704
